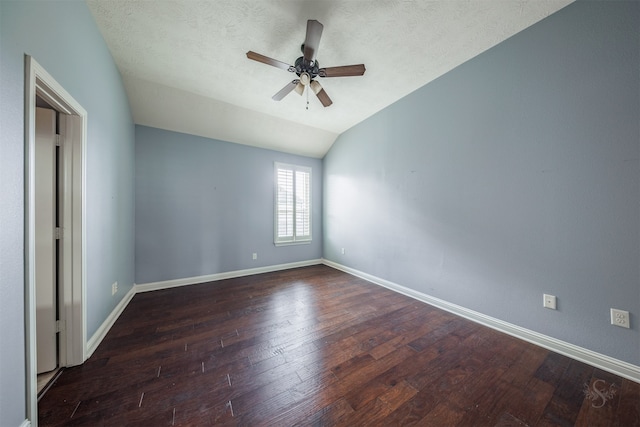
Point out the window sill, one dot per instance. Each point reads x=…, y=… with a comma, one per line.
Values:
x=302, y=242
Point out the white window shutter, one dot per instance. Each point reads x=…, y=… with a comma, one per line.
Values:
x=303, y=204
x=284, y=204
x=292, y=204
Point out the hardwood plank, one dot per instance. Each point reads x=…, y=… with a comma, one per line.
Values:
x=508, y=420
x=427, y=340
x=487, y=406
x=331, y=415
x=568, y=398
x=537, y=394
x=552, y=367
x=628, y=411
x=309, y=397
x=358, y=396
x=444, y=414
x=601, y=399
x=467, y=382
x=316, y=346
x=413, y=410
x=379, y=408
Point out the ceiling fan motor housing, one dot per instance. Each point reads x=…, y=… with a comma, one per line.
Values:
x=310, y=67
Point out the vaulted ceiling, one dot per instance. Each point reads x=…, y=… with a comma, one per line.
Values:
x=185, y=69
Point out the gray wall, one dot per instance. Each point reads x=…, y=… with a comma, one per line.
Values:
x=205, y=206
x=514, y=175
x=64, y=39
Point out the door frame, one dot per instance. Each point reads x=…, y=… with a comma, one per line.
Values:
x=72, y=265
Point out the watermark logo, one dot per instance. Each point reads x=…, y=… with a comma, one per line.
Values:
x=599, y=394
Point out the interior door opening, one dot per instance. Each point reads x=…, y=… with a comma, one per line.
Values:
x=47, y=241
x=65, y=309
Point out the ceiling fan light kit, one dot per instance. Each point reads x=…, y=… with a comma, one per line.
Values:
x=307, y=67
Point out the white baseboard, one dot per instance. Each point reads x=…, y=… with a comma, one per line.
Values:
x=153, y=286
x=609, y=364
x=97, y=338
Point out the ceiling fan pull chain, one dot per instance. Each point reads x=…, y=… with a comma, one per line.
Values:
x=307, y=98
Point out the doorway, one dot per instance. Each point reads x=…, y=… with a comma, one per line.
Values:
x=65, y=313
x=47, y=238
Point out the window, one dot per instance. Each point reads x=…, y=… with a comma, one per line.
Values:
x=292, y=204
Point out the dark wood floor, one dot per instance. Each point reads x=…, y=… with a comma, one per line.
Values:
x=315, y=346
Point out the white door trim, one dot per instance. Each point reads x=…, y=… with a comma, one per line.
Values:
x=73, y=339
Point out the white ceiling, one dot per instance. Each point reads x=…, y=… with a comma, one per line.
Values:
x=184, y=63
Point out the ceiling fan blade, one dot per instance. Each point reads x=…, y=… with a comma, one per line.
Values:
x=320, y=93
x=269, y=61
x=312, y=41
x=343, y=71
x=299, y=88
x=285, y=90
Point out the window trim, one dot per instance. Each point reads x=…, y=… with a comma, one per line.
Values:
x=293, y=240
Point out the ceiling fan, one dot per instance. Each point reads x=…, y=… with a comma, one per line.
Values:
x=307, y=67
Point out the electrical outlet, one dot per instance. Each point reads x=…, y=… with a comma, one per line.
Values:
x=342, y=251
x=620, y=318
x=255, y=255
x=114, y=288
x=549, y=301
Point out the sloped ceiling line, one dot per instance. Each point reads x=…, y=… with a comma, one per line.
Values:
x=186, y=59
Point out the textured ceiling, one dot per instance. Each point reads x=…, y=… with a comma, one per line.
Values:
x=185, y=68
